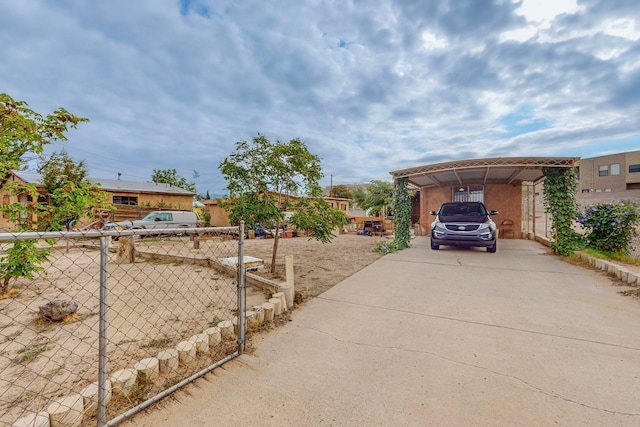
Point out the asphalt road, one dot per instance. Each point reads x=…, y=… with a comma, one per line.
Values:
x=453, y=337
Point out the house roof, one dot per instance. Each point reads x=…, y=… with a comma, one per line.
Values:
x=117, y=185
x=501, y=170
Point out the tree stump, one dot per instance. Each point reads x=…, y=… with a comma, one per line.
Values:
x=259, y=310
x=269, y=311
x=277, y=306
x=90, y=397
x=126, y=251
x=168, y=360
x=214, y=336
x=66, y=411
x=226, y=328
x=201, y=341
x=148, y=368
x=39, y=419
x=283, y=300
x=186, y=352
x=122, y=381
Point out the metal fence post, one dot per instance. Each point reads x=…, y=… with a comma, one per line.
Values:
x=242, y=292
x=102, y=333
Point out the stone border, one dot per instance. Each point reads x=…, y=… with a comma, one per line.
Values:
x=69, y=410
x=611, y=268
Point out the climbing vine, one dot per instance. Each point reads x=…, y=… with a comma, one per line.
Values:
x=560, y=188
x=402, y=214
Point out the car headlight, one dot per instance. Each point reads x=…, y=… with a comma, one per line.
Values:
x=483, y=226
x=437, y=224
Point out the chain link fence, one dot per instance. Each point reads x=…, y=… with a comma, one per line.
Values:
x=113, y=321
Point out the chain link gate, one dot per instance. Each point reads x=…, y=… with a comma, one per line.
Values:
x=114, y=321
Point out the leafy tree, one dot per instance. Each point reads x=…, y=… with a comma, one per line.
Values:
x=171, y=176
x=379, y=198
x=341, y=191
x=24, y=132
x=359, y=195
x=60, y=169
x=262, y=176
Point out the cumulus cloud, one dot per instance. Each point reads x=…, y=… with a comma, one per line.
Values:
x=369, y=86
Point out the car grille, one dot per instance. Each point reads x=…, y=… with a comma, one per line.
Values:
x=462, y=227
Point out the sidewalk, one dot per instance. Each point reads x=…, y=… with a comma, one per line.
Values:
x=444, y=338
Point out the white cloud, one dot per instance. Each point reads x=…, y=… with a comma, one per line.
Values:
x=371, y=87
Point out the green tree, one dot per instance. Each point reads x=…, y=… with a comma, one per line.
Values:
x=24, y=132
x=59, y=169
x=379, y=198
x=171, y=177
x=341, y=191
x=359, y=196
x=261, y=176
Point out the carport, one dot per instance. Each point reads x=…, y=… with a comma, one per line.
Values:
x=498, y=182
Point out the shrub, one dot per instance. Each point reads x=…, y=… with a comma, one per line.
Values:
x=384, y=248
x=610, y=226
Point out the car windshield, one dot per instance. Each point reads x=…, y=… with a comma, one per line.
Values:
x=463, y=209
x=150, y=217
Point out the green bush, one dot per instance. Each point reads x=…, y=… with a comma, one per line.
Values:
x=610, y=226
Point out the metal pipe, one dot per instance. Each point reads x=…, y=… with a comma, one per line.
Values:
x=30, y=235
x=168, y=391
x=242, y=293
x=102, y=333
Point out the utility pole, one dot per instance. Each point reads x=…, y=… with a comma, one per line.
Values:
x=331, y=186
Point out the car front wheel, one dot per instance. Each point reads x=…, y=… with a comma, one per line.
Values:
x=434, y=246
x=493, y=247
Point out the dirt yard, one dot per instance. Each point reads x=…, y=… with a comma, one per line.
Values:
x=154, y=303
x=317, y=266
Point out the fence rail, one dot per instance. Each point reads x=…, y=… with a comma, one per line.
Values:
x=114, y=321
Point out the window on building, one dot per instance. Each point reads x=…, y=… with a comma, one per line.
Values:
x=607, y=190
x=585, y=190
x=125, y=200
x=603, y=170
x=634, y=168
x=615, y=169
x=469, y=193
x=598, y=190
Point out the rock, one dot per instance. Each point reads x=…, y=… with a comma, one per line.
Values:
x=57, y=310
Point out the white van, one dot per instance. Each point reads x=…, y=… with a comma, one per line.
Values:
x=158, y=220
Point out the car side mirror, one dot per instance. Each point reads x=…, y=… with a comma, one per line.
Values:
x=494, y=213
x=433, y=213
x=157, y=219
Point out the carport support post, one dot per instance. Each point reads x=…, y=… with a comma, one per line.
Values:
x=242, y=292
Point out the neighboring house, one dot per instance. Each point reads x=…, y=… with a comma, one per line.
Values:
x=130, y=199
x=610, y=174
x=220, y=217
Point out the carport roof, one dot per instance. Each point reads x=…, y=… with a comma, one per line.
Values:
x=500, y=170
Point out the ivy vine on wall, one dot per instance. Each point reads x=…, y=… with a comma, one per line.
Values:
x=560, y=188
x=402, y=213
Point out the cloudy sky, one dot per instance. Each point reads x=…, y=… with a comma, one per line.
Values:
x=371, y=86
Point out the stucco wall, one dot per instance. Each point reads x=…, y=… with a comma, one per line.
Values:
x=166, y=201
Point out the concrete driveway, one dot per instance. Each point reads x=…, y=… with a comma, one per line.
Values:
x=453, y=337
